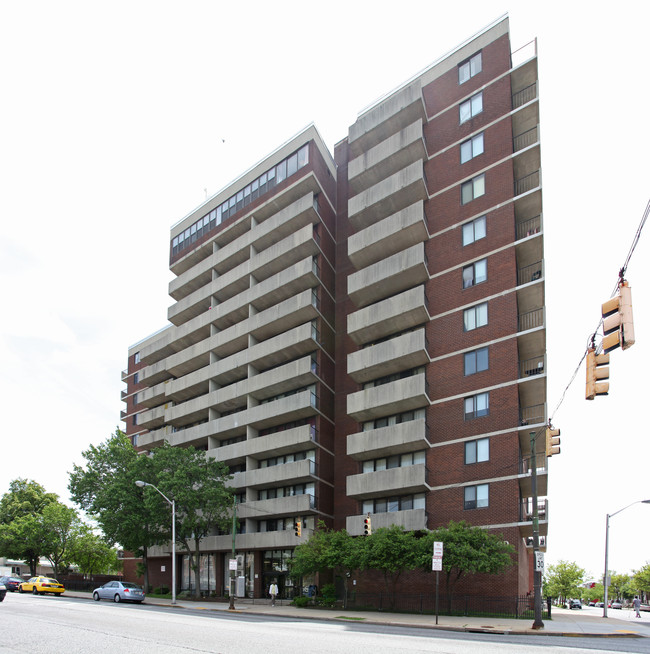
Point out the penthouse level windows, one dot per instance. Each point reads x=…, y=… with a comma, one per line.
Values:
x=257, y=188
x=470, y=67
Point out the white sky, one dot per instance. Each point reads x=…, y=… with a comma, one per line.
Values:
x=111, y=126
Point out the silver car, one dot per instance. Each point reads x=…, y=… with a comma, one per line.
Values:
x=119, y=591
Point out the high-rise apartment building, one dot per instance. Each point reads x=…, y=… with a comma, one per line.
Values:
x=365, y=333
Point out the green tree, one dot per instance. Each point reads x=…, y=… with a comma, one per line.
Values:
x=467, y=550
x=593, y=594
x=391, y=550
x=197, y=484
x=328, y=550
x=21, y=536
x=105, y=488
x=641, y=579
x=93, y=555
x=564, y=580
x=619, y=586
x=60, y=525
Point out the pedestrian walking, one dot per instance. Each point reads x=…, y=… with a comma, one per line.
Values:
x=637, y=606
x=273, y=591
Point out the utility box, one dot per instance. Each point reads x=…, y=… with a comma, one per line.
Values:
x=240, y=587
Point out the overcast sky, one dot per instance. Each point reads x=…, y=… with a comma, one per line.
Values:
x=113, y=121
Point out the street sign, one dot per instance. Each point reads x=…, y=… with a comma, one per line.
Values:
x=436, y=564
x=539, y=561
x=232, y=564
x=437, y=549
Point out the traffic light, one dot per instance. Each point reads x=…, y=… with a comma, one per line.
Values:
x=597, y=369
x=297, y=527
x=618, y=325
x=552, y=441
x=367, y=526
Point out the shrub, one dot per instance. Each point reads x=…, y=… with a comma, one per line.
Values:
x=300, y=602
x=327, y=596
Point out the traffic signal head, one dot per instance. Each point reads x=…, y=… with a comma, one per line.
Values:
x=367, y=526
x=297, y=527
x=597, y=369
x=618, y=323
x=552, y=441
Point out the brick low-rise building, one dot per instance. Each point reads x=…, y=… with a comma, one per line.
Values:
x=364, y=333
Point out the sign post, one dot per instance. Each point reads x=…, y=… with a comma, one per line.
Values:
x=436, y=564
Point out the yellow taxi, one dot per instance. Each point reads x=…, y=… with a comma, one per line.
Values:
x=41, y=585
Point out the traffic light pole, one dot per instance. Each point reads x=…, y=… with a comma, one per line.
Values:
x=537, y=578
x=231, y=605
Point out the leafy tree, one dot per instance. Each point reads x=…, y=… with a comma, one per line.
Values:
x=197, y=484
x=593, y=594
x=105, y=488
x=93, y=555
x=619, y=586
x=563, y=580
x=392, y=550
x=21, y=535
x=60, y=526
x=328, y=550
x=641, y=579
x=467, y=550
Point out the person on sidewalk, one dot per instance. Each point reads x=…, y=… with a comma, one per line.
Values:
x=637, y=606
x=273, y=591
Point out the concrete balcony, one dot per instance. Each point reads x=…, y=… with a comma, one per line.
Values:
x=191, y=411
x=394, y=439
x=388, y=117
x=152, y=396
x=173, y=339
x=400, y=353
x=281, y=506
x=389, y=196
x=526, y=517
x=294, y=407
x=153, y=418
x=297, y=472
x=402, y=481
x=389, y=276
x=525, y=475
x=389, y=236
x=154, y=438
x=260, y=236
x=411, y=520
x=532, y=418
x=389, y=316
x=388, y=399
x=396, y=152
x=269, y=540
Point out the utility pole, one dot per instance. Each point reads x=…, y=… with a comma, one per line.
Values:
x=231, y=605
x=537, y=578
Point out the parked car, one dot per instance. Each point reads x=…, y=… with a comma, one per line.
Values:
x=616, y=605
x=41, y=585
x=11, y=583
x=644, y=607
x=574, y=604
x=600, y=605
x=3, y=592
x=592, y=603
x=119, y=591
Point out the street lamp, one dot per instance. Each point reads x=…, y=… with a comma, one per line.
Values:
x=611, y=515
x=142, y=484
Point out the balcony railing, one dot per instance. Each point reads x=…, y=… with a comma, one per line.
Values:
x=540, y=464
x=527, y=183
x=525, y=139
x=530, y=320
x=532, y=367
x=526, y=510
x=542, y=541
x=532, y=415
x=529, y=273
x=528, y=227
x=525, y=95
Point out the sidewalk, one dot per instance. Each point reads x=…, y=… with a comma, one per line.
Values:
x=564, y=623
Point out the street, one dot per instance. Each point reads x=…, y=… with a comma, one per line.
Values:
x=54, y=625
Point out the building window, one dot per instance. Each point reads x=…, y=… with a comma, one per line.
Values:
x=477, y=451
x=476, y=497
x=136, y=377
x=136, y=358
x=472, y=189
x=475, y=317
x=469, y=68
x=471, y=148
x=390, y=504
x=475, y=273
x=470, y=108
x=475, y=230
x=477, y=406
x=476, y=361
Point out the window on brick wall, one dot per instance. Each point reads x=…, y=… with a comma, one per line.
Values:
x=472, y=189
x=136, y=357
x=474, y=230
x=477, y=497
x=477, y=451
x=475, y=273
x=471, y=148
x=470, y=67
x=475, y=317
x=477, y=406
x=470, y=108
x=476, y=361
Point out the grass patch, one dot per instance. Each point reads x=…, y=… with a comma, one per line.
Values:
x=345, y=617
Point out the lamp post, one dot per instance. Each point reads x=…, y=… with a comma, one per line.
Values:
x=537, y=574
x=611, y=515
x=142, y=484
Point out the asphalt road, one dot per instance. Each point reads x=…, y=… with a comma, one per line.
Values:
x=60, y=625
